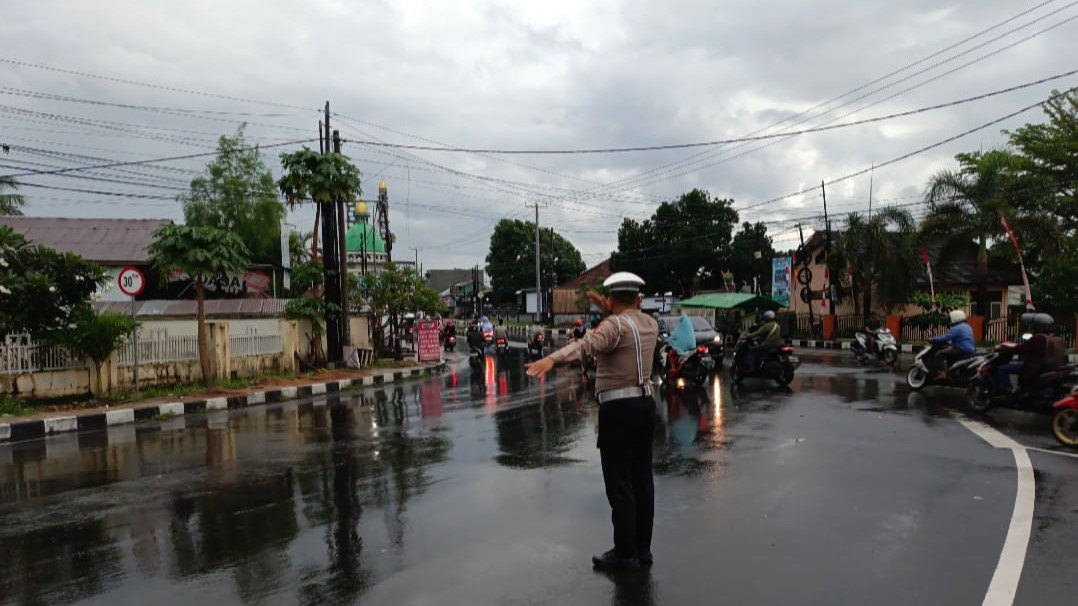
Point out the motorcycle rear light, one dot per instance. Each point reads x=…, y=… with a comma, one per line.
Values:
x=501, y=341
x=787, y=350
x=702, y=349
x=538, y=337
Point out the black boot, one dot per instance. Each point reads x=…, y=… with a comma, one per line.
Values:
x=612, y=562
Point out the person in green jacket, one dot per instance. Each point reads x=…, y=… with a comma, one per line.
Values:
x=770, y=336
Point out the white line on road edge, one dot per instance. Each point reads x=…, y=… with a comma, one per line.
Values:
x=1004, y=585
x=1053, y=452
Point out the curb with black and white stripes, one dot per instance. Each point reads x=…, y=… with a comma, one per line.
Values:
x=95, y=421
x=904, y=348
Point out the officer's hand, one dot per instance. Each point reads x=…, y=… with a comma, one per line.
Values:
x=599, y=300
x=540, y=368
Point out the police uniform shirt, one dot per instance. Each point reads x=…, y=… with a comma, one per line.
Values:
x=620, y=362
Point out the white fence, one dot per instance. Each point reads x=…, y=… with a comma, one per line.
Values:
x=20, y=354
x=254, y=344
x=158, y=349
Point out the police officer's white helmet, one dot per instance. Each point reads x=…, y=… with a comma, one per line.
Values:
x=769, y=315
x=624, y=281
x=957, y=315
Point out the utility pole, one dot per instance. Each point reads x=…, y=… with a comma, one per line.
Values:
x=538, y=275
x=342, y=251
x=331, y=264
x=870, y=176
x=827, y=225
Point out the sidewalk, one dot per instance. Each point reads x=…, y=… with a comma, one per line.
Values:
x=17, y=429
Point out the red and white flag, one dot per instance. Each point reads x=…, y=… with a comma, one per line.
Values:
x=1021, y=263
x=928, y=268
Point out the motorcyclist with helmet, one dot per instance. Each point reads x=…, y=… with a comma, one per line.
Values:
x=872, y=326
x=960, y=337
x=1036, y=355
x=578, y=330
x=448, y=330
x=770, y=339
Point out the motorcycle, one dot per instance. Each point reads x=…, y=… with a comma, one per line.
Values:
x=535, y=345
x=778, y=365
x=450, y=342
x=1052, y=385
x=958, y=374
x=886, y=347
x=1065, y=420
x=488, y=337
x=476, y=356
x=696, y=365
x=501, y=346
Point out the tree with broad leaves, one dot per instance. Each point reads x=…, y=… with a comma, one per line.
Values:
x=683, y=246
x=199, y=252
x=750, y=256
x=392, y=293
x=1047, y=161
x=10, y=203
x=511, y=260
x=41, y=290
x=237, y=194
x=320, y=178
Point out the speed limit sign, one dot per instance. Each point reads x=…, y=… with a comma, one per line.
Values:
x=131, y=281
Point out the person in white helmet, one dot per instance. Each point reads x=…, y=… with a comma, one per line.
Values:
x=623, y=346
x=960, y=337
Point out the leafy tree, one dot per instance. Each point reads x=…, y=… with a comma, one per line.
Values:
x=1047, y=158
x=878, y=255
x=511, y=260
x=10, y=203
x=41, y=289
x=96, y=337
x=1056, y=289
x=750, y=256
x=965, y=206
x=393, y=292
x=682, y=247
x=200, y=252
x=237, y=194
x=945, y=301
x=300, y=247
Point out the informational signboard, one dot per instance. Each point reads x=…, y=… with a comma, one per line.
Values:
x=430, y=346
x=780, y=280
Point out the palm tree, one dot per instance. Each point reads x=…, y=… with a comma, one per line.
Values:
x=965, y=206
x=878, y=254
x=10, y=204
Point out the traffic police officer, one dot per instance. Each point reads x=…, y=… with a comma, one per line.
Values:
x=623, y=347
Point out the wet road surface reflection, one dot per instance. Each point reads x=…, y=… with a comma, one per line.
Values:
x=395, y=495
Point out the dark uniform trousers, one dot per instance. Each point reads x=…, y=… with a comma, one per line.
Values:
x=626, y=428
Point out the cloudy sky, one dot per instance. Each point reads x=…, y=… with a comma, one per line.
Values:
x=524, y=74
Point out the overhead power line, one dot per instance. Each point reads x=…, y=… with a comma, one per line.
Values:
x=646, y=148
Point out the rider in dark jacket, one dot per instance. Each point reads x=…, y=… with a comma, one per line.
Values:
x=770, y=336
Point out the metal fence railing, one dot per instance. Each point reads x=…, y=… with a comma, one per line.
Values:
x=21, y=354
x=254, y=344
x=158, y=350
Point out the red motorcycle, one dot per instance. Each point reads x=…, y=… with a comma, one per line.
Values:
x=1065, y=421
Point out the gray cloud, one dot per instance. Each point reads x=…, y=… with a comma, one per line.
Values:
x=522, y=75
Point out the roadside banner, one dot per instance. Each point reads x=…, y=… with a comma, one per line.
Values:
x=430, y=345
x=780, y=280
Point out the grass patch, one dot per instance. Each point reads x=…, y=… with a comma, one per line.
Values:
x=13, y=407
x=391, y=363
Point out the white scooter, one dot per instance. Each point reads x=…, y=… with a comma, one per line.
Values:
x=886, y=346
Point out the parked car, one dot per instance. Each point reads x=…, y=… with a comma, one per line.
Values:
x=706, y=335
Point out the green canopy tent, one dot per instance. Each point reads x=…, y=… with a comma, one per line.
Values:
x=723, y=303
x=731, y=300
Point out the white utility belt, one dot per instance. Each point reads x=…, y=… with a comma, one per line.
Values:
x=624, y=393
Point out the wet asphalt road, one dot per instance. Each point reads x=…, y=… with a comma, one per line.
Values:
x=485, y=488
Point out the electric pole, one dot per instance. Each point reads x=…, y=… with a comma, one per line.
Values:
x=538, y=275
x=343, y=258
x=827, y=225
x=331, y=265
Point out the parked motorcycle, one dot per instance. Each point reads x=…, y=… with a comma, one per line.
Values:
x=886, y=348
x=695, y=366
x=535, y=345
x=778, y=365
x=958, y=374
x=1052, y=385
x=1065, y=420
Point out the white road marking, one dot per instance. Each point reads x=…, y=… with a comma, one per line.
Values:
x=1004, y=585
x=1054, y=452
